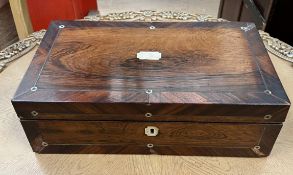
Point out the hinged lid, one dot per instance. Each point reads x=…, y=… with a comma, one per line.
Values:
x=206, y=72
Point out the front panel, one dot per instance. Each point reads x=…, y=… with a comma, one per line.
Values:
x=150, y=135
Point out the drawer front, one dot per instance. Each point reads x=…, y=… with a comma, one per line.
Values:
x=169, y=134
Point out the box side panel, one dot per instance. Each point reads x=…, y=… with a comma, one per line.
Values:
x=152, y=112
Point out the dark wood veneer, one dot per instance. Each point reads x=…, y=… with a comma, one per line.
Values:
x=214, y=79
x=160, y=112
x=175, y=136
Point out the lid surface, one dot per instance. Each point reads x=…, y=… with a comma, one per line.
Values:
x=200, y=63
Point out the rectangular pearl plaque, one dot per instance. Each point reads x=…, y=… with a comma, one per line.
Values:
x=147, y=55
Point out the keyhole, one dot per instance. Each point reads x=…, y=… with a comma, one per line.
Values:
x=151, y=131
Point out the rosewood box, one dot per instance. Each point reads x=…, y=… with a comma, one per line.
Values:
x=152, y=88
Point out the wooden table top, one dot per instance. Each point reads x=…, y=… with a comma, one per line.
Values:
x=16, y=156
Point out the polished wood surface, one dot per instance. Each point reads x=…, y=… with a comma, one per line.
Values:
x=85, y=72
x=160, y=112
x=16, y=156
x=232, y=139
x=89, y=71
x=105, y=59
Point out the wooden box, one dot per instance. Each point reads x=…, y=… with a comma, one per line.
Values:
x=152, y=88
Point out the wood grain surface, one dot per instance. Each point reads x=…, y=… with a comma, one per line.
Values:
x=107, y=57
x=204, y=67
x=16, y=156
x=175, y=138
x=86, y=71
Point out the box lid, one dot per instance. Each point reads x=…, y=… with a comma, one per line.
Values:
x=211, y=71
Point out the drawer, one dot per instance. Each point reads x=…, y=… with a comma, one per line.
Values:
x=148, y=137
